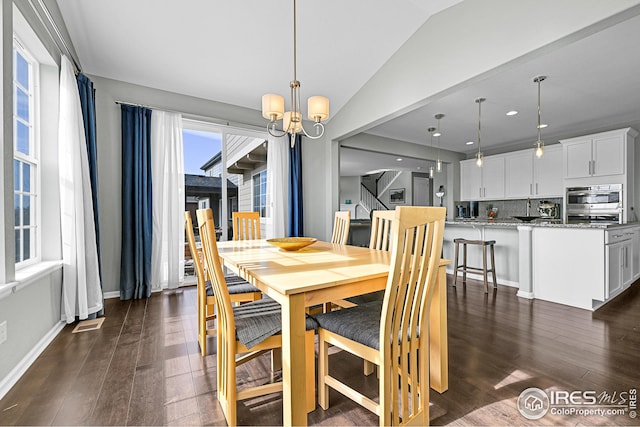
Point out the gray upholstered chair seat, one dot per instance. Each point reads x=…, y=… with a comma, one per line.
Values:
x=367, y=298
x=360, y=324
x=258, y=320
x=234, y=287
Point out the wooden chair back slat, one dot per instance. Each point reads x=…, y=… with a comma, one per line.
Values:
x=341, y=224
x=246, y=225
x=381, y=230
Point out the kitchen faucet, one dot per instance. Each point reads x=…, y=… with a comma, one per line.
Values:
x=528, y=207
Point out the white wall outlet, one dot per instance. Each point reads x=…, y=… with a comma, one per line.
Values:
x=3, y=332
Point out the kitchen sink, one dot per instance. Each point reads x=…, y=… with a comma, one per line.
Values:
x=526, y=218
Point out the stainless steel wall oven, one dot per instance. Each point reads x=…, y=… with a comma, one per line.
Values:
x=594, y=204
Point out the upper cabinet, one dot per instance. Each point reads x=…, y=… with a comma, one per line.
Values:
x=547, y=173
x=485, y=183
x=599, y=155
x=528, y=176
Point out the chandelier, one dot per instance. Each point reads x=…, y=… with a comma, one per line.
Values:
x=539, y=150
x=273, y=106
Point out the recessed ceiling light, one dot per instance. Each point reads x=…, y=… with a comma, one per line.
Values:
x=542, y=125
x=398, y=159
x=437, y=133
x=470, y=143
x=419, y=167
x=512, y=113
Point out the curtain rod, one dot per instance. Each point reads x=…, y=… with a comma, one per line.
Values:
x=206, y=119
x=58, y=39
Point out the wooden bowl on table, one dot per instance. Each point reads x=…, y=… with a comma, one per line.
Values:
x=292, y=243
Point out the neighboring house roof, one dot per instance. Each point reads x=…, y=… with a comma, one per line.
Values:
x=212, y=161
x=200, y=182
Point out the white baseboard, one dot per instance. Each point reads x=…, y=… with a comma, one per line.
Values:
x=116, y=294
x=527, y=295
x=112, y=294
x=12, y=377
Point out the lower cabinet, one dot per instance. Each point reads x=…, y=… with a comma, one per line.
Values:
x=621, y=250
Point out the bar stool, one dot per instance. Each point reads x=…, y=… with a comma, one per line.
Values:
x=464, y=267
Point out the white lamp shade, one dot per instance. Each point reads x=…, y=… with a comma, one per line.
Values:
x=292, y=124
x=272, y=105
x=318, y=108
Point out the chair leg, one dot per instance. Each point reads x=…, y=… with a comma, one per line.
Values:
x=493, y=268
x=323, y=369
x=368, y=368
x=276, y=359
x=455, y=265
x=464, y=261
x=484, y=269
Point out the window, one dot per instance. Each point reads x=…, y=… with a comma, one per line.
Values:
x=25, y=157
x=260, y=193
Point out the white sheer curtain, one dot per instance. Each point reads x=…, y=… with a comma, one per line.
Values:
x=81, y=291
x=167, y=175
x=278, y=185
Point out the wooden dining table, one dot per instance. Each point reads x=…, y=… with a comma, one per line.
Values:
x=317, y=274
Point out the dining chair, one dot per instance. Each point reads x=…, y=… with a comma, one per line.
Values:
x=394, y=333
x=246, y=225
x=380, y=239
x=246, y=332
x=341, y=224
x=381, y=229
x=239, y=289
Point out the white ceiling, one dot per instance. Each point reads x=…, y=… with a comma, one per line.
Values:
x=592, y=84
x=235, y=51
x=223, y=50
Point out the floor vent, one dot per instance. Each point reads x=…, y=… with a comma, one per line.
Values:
x=88, y=325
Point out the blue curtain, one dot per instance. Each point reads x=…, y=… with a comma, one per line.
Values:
x=88, y=104
x=296, y=224
x=135, y=261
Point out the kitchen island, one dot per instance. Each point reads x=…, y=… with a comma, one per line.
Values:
x=581, y=265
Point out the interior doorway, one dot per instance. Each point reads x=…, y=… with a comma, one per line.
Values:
x=421, y=189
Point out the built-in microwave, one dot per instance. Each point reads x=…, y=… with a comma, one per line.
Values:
x=594, y=204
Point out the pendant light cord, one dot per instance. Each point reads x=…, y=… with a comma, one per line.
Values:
x=539, y=80
x=294, y=42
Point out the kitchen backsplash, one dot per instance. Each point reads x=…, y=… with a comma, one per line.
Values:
x=509, y=208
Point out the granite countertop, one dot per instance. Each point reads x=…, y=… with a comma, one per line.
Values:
x=512, y=222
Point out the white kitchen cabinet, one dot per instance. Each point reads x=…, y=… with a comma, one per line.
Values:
x=597, y=155
x=518, y=168
x=528, y=176
x=485, y=183
x=635, y=254
x=547, y=173
x=619, y=260
x=614, y=261
x=470, y=180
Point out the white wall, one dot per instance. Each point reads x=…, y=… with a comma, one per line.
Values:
x=350, y=189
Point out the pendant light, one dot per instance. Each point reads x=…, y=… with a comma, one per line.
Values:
x=479, y=156
x=539, y=150
x=430, y=130
x=438, y=134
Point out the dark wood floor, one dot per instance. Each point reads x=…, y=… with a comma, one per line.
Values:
x=144, y=368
